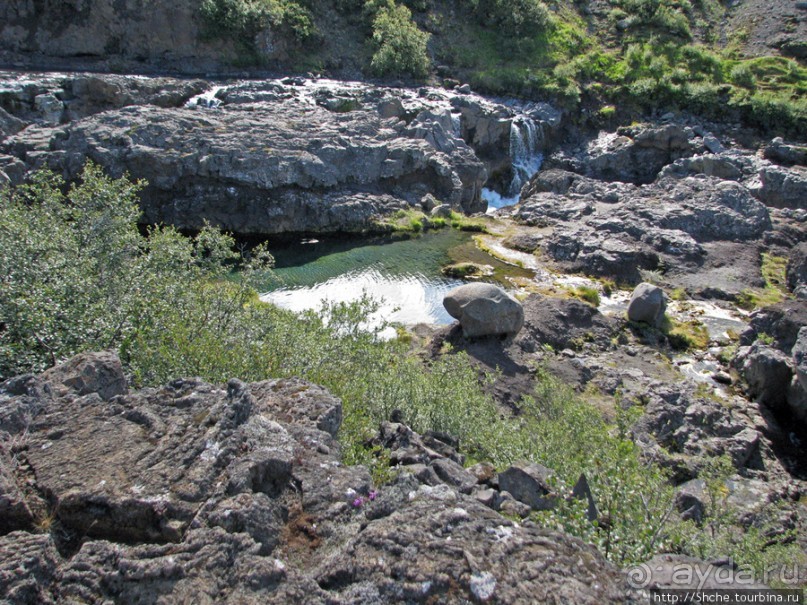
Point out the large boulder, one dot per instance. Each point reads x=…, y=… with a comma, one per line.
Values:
x=647, y=304
x=484, y=310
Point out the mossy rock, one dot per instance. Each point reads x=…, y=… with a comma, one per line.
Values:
x=467, y=270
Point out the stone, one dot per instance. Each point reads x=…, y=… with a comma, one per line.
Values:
x=783, y=187
x=690, y=500
x=100, y=373
x=582, y=491
x=484, y=310
x=780, y=322
x=199, y=493
x=781, y=153
x=647, y=304
x=49, y=107
x=454, y=475
x=484, y=472
x=800, y=356
x=507, y=505
x=712, y=143
x=633, y=154
x=797, y=267
x=528, y=483
x=266, y=160
x=486, y=496
x=768, y=373
x=562, y=323
x=441, y=211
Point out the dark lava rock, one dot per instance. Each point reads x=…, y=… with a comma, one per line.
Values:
x=797, y=270
x=529, y=484
x=780, y=152
x=781, y=322
x=562, y=323
x=196, y=493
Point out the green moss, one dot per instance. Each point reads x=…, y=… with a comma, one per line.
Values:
x=773, y=271
x=686, y=335
x=463, y=270
x=679, y=294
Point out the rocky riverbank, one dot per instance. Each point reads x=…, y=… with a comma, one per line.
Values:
x=266, y=157
x=238, y=493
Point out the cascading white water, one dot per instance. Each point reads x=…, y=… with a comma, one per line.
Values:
x=206, y=100
x=526, y=140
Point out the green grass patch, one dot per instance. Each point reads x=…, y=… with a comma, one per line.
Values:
x=466, y=223
x=686, y=335
x=774, y=269
x=587, y=294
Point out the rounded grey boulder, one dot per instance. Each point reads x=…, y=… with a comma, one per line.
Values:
x=484, y=310
x=647, y=304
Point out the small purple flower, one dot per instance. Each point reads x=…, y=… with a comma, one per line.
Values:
x=358, y=502
x=372, y=495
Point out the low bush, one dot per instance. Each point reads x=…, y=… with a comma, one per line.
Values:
x=400, y=45
x=241, y=20
x=516, y=18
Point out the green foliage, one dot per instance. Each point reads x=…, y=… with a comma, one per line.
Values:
x=669, y=18
x=762, y=546
x=464, y=223
x=78, y=275
x=633, y=497
x=400, y=45
x=516, y=18
x=588, y=294
x=773, y=271
x=64, y=268
x=686, y=335
x=241, y=20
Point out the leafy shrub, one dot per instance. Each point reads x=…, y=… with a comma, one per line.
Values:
x=517, y=18
x=78, y=275
x=401, y=46
x=668, y=17
x=742, y=75
x=241, y=20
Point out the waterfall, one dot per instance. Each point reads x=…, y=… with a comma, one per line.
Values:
x=526, y=140
x=206, y=100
